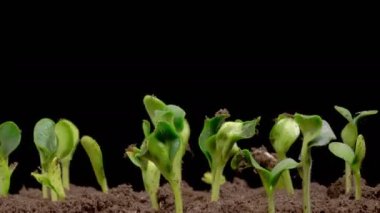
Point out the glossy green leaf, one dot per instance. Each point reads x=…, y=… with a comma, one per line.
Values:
x=349, y=134
x=152, y=104
x=95, y=154
x=66, y=139
x=280, y=167
x=283, y=134
x=310, y=125
x=325, y=136
x=45, y=138
x=360, y=151
x=363, y=114
x=344, y=112
x=10, y=137
x=343, y=151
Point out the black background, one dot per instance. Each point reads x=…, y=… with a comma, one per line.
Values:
x=101, y=91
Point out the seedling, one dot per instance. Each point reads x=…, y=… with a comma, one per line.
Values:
x=167, y=144
x=282, y=136
x=54, y=142
x=10, y=137
x=150, y=173
x=218, y=143
x=269, y=178
x=316, y=132
x=349, y=136
x=352, y=157
x=95, y=154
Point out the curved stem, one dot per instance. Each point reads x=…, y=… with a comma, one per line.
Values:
x=176, y=188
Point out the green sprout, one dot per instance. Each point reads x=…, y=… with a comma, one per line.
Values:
x=269, y=178
x=316, y=132
x=54, y=142
x=349, y=136
x=167, y=144
x=96, y=158
x=218, y=143
x=282, y=136
x=352, y=157
x=10, y=137
x=150, y=173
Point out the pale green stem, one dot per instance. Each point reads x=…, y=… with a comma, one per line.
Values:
x=306, y=170
x=285, y=177
x=217, y=180
x=358, y=190
x=66, y=174
x=54, y=196
x=348, y=177
x=45, y=192
x=5, y=175
x=271, y=202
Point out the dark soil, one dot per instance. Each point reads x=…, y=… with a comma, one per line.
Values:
x=235, y=197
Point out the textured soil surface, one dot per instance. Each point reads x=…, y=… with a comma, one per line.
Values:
x=235, y=197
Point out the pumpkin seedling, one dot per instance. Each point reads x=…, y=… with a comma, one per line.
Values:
x=269, y=178
x=96, y=158
x=54, y=142
x=315, y=132
x=150, y=173
x=282, y=136
x=10, y=137
x=352, y=157
x=218, y=143
x=349, y=136
x=167, y=144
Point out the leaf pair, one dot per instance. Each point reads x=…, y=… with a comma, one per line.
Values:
x=353, y=157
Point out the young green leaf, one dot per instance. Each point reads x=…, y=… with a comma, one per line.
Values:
x=95, y=154
x=283, y=134
x=344, y=112
x=325, y=136
x=152, y=104
x=45, y=140
x=65, y=138
x=360, y=151
x=349, y=134
x=342, y=151
x=363, y=114
x=10, y=137
x=310, y=126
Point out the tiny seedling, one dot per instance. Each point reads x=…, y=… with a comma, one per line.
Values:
x=167, y=144
x=10, y=137
x=353, y=157
x=349, y=136
x=269, y=178
x=150, y=173
x=96, y=158
x=54, y=142
x=315, y=132
x=218, y=143
x=282, y=136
